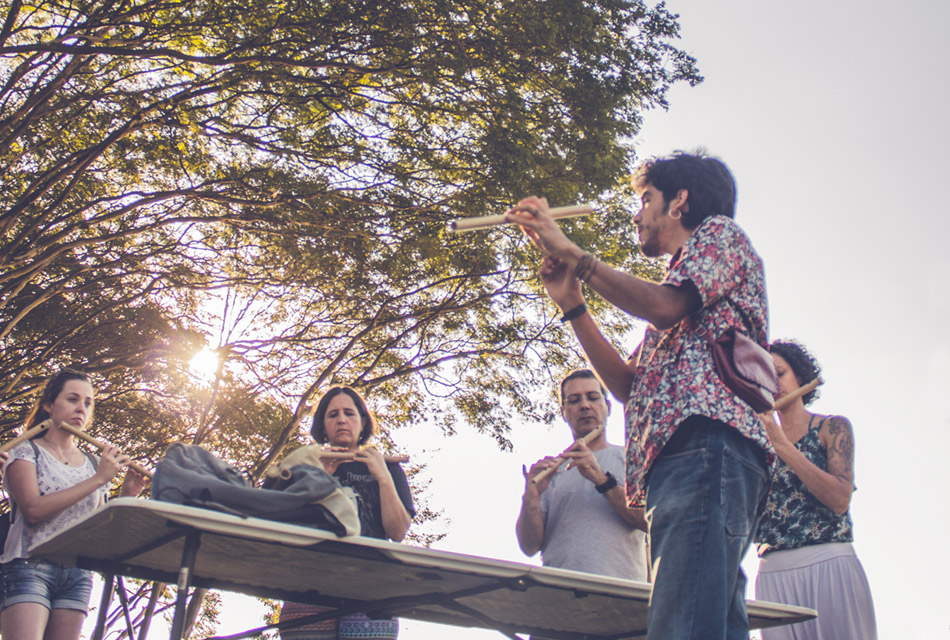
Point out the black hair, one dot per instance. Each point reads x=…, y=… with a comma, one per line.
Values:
x=584, y=373
x=803, y=364
x=710, y=186
x=318, y=430
x=52, y=389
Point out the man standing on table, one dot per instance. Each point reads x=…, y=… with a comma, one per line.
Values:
x=578, y=517
x=697, y=457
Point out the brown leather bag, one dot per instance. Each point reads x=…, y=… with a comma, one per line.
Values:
x=745, y=368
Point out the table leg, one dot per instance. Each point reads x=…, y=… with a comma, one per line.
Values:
x=188, y=555
x=108, y=586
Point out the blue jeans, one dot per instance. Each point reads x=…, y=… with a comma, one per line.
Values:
x=51, y=585
x=704, y=497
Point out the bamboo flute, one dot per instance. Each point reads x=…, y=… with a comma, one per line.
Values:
x=341, y=456
x=484, y=222
x=351, y=455
x=785, y=401
x=32, y=432
x=82, y=435
x=561, y=459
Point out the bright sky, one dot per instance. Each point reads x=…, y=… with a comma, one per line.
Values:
x=833, y=117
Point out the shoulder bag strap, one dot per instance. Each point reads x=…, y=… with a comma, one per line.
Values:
x=92, y=459
x=36, y=463
x=702, y=325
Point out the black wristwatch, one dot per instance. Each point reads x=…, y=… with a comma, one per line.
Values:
x=608, y=484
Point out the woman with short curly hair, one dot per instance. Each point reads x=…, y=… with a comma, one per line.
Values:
x=804, y=538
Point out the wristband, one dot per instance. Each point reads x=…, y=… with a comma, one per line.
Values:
x=609, y=484
x=576, y=312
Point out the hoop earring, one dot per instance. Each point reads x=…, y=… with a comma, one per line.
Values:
x=678, y=212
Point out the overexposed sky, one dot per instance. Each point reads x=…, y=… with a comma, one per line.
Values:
x=833, y=117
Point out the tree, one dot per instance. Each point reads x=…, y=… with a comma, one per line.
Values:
x=275, y=178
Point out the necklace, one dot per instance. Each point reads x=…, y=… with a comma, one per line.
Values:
x=59, y=455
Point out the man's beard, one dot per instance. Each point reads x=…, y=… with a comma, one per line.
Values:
x=651, y=247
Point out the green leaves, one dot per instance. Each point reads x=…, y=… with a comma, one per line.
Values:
x=274, y=179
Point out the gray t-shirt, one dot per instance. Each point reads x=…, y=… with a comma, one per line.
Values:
x=583, y=532
x=51, y=476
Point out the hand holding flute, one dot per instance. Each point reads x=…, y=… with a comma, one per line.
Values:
x=775, y=432
x=101, y=446
x=538, y=477
x=484, y=222
x=347, y=456
x=785, y=401
x=82, y=435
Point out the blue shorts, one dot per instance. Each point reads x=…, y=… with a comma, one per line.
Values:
x=51, y=585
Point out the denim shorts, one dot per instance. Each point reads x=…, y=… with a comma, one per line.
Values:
x=51, y=585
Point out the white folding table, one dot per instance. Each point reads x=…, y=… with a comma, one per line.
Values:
x=189, y=546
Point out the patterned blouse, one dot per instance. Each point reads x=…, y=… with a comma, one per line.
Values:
x=674, y=375
x=795, y=518
x=51, y=476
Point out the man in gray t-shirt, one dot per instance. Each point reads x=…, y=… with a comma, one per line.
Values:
x=578, y=518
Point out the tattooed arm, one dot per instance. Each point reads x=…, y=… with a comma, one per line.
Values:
x=838, y=438
x=835, y=486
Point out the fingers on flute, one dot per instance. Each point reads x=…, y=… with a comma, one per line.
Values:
x=535, y=469
x=514, y=217
x=531, y=206
x=115, y=455
x=532, y=203
x=541, y=465
x=578, y=458
x=579, y=445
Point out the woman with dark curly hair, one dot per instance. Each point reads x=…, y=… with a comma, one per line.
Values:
x=804, y=538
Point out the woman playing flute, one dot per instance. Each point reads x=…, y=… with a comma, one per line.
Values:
x=52, y=484
x=343, y=421
x=804, y=537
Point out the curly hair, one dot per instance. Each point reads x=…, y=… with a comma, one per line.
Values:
x=803, y=364
x=710, y=185
x=368, y=422
x=54, y=387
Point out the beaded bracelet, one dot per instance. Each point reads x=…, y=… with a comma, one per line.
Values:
x=585, y=268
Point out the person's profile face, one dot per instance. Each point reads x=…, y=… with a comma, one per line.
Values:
x=787, y=381
x=652, y=220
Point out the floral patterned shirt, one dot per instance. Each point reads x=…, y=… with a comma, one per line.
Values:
x=794, y=517
x=674, y=373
